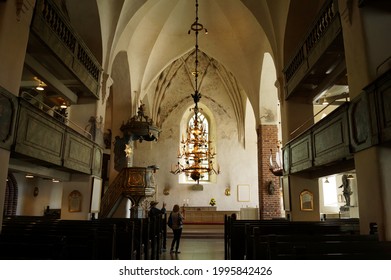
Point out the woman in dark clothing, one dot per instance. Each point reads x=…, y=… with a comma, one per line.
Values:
x=177, y=224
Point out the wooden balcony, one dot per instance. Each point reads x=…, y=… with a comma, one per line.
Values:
x=320, y=60
x=48, y=142
x=55, y=46
x=331, y=143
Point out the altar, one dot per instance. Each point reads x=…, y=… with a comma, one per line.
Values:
x=205, y=214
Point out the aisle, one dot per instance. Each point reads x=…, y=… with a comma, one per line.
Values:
x=196, y=249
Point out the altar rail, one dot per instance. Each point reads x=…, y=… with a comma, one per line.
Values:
x=205, y=215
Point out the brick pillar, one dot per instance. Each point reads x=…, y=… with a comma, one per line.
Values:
x=269, y=204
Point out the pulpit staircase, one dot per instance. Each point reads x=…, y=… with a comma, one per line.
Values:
x=134, y=183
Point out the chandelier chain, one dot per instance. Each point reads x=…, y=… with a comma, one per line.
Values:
x=196, y=149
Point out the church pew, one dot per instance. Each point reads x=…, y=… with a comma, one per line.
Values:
x=80, y=239
x=126, y=229
x=112, y=238
x=318, y=246
x=156, y=236
x=30, y=247
x=238, y=232
x=235, y=235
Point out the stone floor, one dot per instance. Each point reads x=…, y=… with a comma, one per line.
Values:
x=196, y=249
x=198, y=242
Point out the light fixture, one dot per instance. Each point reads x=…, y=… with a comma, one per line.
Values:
x=29, y=176
x=325, y=102
x=63, y=105
x=350, y=177
x=326, y=181
x=40, y=85
x=196, y=150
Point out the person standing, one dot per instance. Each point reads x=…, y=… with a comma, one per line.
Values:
x=176, y=224
x=154, y=211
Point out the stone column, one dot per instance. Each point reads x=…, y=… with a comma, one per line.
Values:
x=297, y=117
x=15, y=21
x=366, y=31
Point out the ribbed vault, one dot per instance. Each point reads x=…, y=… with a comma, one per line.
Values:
x=220, y=90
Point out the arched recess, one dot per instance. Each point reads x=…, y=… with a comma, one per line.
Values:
x=268, y=101
x=11, y=196
x=121, y=99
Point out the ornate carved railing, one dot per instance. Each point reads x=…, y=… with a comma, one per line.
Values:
x=134, y=183
x=111, y=196
x=327, y=17
x=53, y=28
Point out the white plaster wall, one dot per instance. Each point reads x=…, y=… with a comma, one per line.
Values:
x=54, y=195
x=334, y=210
x=238, y=163
x=50, y=194
x=79, y=115
x=83, y=184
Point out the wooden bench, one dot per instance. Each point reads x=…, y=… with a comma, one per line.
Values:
x=239, y=233
x=112, y=238
x=310, y=246
x=79, y=239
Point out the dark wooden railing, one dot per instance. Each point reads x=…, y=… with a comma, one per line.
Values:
x=53, y=28
x=326, y=16
x=324, y=32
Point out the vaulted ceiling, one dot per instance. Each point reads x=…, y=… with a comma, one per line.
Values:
x=144, y=46
x=154, y=34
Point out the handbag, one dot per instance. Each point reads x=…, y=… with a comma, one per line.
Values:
x=169, y=223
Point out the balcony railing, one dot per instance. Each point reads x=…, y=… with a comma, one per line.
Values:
x=46, y=137
x=54, y=112
x=327, y=20
x=52, y=27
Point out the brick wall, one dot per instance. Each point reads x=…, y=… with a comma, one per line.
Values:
x=270, y=204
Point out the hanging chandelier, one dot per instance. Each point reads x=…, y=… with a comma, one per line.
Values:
x=196, y=151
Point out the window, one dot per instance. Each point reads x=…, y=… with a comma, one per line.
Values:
x=330, y=195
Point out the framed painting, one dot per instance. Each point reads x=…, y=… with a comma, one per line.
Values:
x=243, y=193
x=74, y=201
x=306, y=201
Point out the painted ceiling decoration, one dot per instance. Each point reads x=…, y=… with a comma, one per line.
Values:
x=172, y=87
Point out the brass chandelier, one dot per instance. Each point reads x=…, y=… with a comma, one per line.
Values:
x=196, y=150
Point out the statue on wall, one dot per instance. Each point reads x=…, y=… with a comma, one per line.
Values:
x=347, y=191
